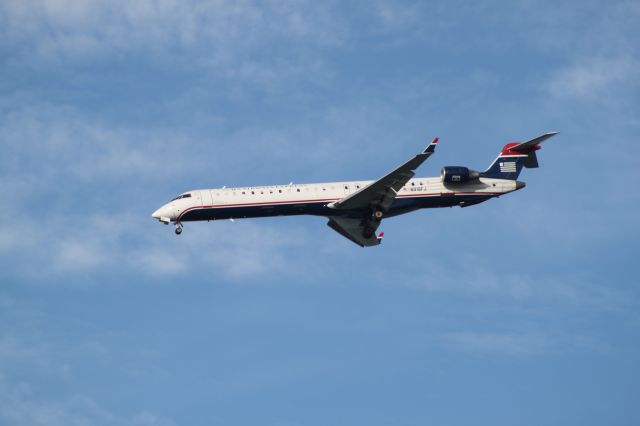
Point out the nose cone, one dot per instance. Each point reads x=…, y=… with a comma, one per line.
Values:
x=164, y=214
x=520, y=185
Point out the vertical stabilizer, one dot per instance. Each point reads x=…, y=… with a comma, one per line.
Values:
x=514, y=156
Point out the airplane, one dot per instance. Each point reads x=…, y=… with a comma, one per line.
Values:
x=355, y=209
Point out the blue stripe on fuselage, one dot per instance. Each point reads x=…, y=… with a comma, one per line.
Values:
x=400, y=205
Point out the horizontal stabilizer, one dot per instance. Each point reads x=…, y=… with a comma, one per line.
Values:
x=530, y=148
x=533, y=143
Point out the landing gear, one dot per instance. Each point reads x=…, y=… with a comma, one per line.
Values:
x=371, y=222
x=178, y=229
x=375, y=214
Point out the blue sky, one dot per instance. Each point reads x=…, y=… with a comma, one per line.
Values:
x=522, y=310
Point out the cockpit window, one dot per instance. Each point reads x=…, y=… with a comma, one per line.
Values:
x=182, y=196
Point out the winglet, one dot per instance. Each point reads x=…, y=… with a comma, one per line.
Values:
x=380, y=236
x=432, y=146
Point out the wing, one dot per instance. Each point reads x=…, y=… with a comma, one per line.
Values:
x=380, y=194
x=356, y=230
x=360, y=213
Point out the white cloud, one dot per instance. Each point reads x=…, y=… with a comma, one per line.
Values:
x=223, y=31
x=519, y=284
x=512, y=344
x=596, y=78
x=97, y=179
x=45, y=142
x=21, y=406
x=267, y=46
x=397, y=15
x=75, y=255
x=145, y=418
x=124, y=244
x=31, y=356
x=520, y=343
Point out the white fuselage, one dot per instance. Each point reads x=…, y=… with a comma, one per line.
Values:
x=316, y=198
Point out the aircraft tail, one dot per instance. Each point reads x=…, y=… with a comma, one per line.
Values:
x=515, y=156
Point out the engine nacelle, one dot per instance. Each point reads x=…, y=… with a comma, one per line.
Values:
x=457, y=174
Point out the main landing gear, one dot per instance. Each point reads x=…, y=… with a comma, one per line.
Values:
x=372, y=224
x=178, y=228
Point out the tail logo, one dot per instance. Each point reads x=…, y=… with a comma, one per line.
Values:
x=508, y=167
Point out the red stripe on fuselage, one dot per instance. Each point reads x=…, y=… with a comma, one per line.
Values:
x=273, y=203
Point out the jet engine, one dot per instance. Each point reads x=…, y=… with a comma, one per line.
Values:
x=457, y=174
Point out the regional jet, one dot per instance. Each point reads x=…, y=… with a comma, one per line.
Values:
x=355, y=209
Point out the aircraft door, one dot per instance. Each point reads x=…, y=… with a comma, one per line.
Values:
x=198, y=197
x=206, y=198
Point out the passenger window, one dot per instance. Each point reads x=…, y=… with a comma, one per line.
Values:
x=298, y=189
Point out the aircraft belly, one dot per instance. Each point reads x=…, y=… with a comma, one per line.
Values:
x=403, y=205
x=239, y=212
x=400, y=205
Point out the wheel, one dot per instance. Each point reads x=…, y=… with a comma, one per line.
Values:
x=178, y=230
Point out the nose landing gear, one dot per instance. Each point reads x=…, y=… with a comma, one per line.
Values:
x=178, y=228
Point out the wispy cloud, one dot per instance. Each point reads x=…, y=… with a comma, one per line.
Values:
x=31, y=356
x=109, y=108
x=101, y=180
x=129, y=245
x=21, y=406
x=521, y=343
x=597, y=79
x=222, y=38
x=521, y=285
